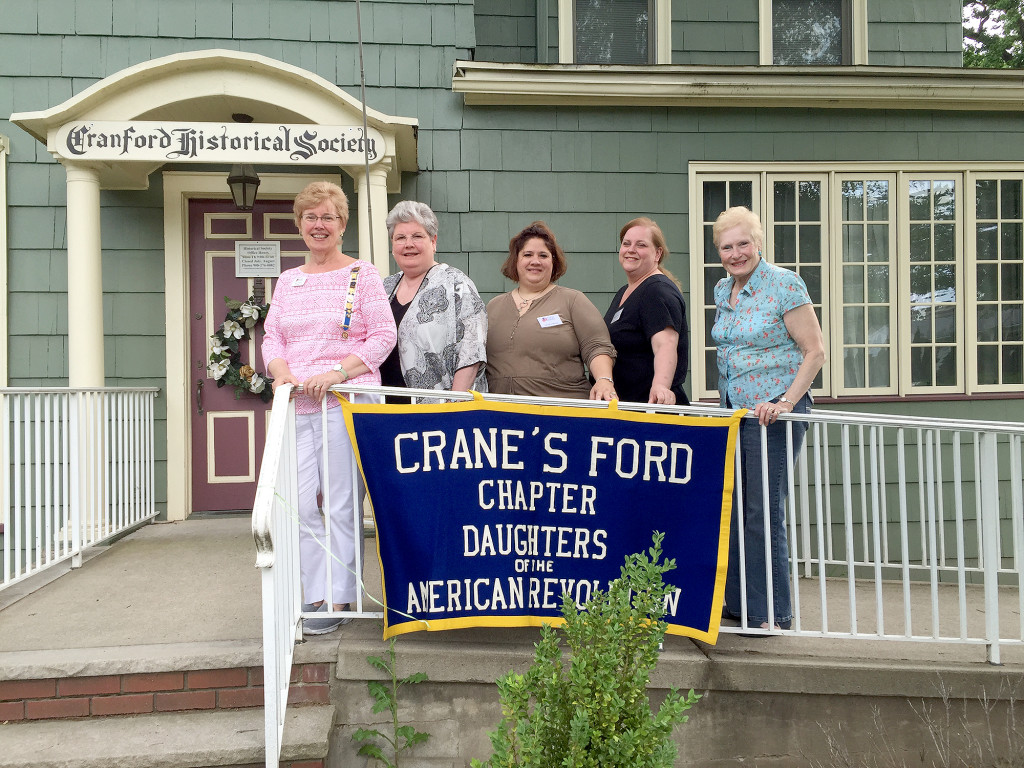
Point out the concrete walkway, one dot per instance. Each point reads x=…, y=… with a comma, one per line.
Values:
x=186, y=595
x=170, y=586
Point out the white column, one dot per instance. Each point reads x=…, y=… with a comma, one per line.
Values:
x=85, y=279
x=375, y=193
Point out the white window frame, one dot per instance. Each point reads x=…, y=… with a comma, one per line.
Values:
x=960, y=259
x=971, y=275
x=662, y=32
x=858, y=32
x=836, y=341
x=768, y=220
x=702, y=349
x=899, y=176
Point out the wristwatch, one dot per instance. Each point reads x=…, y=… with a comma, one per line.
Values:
x=787, y=400
x=341, y=369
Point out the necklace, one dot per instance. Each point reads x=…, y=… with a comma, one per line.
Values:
x=523, y=302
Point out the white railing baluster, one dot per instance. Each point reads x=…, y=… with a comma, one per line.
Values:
x=5, y=489
x=933, y=549
x=821, y=522
x=47, y=480
x=958, y=512
x=989, y=512
x=114, y=426
x=738, y=520
x=877, y=492
x=826, y=466
x=1017, y=524
x=940, y=504
x=789, y=511
x=21, y=519
x=977, y=496
x=33, y=479
x=65, y=474
x=804, y=506
x=849, y=536
x=65, y=453
x=883, y=485
x=863, y=471
x=904, y=530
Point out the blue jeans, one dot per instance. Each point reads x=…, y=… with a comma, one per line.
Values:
x=753, y=522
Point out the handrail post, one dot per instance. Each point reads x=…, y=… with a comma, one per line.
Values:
x=990, y=540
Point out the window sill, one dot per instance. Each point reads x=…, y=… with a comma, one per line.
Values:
x=853, y=87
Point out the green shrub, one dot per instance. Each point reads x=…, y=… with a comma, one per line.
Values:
x=385, y=699
x=594, y=712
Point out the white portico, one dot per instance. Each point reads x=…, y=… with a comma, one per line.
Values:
x=179, y=109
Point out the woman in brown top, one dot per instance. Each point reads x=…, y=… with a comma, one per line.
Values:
x=540, y=335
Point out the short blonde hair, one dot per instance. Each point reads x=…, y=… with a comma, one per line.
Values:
x=739, y=216
x=319, y=192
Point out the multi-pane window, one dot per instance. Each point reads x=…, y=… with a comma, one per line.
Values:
x=810, y=32
x=717, y=196
x=795, y=221
x=999, y=282
x=908, y=302
x=613, y=32
x=933, y=324
x=867, y=347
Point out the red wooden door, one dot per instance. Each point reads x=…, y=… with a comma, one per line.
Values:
x=228, y=434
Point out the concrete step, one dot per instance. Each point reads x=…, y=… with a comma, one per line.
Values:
x=167, y=740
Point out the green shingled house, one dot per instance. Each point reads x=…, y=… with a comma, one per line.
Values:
x=888, y=176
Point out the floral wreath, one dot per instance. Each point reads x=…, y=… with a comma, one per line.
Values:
x=224, y=366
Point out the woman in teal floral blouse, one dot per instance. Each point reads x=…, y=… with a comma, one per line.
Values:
x=770, y=348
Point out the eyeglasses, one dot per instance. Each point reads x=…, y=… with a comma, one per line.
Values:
x=327, y=218
x=417, y=238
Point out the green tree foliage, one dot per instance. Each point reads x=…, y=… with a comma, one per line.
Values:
x=994, y=34
x=594, y=712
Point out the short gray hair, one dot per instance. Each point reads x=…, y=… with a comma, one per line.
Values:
x=411, y=210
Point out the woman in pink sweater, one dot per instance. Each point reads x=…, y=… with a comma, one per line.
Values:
x=329, y=322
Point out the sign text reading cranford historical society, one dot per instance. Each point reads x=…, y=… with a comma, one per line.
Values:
x=219, y=142
x=487, y=513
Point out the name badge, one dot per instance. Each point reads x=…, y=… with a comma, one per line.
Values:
x=298, y=281
x=549, y=320
x=616, y=316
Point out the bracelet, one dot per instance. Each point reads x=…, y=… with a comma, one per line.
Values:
x=606, y=378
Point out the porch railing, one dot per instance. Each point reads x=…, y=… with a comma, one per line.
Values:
x=78, y=470
x=900, y=529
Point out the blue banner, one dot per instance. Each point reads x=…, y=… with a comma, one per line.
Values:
x=486, y=513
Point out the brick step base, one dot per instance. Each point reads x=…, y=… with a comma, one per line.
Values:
x=225, y=739
x=135, y=694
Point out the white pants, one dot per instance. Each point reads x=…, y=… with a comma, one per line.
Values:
x=344, y=491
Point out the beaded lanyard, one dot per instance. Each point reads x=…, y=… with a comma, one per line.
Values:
x=349, y=301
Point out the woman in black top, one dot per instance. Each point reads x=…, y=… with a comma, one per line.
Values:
x=647, y=321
